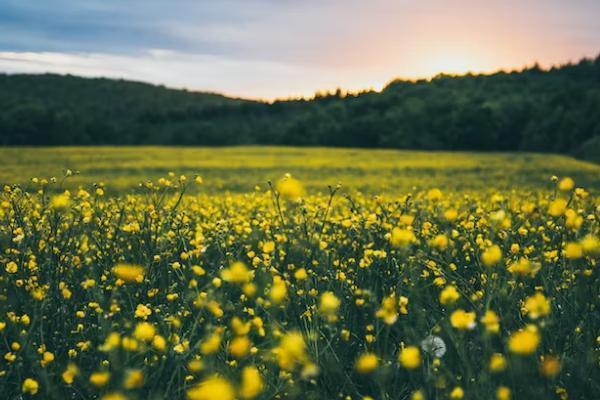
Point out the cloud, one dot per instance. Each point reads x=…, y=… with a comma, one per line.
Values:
x=288, y=47
x=247, y=78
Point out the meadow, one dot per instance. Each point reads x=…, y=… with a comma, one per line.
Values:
x=264, y=272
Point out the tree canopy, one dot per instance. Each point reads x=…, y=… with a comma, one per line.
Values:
x=556, y=110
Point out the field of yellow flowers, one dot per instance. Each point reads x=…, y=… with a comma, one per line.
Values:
x=283, y=292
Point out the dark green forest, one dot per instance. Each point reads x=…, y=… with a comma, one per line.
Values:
x=556, y=110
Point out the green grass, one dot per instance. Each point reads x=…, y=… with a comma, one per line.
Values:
x=240, y=169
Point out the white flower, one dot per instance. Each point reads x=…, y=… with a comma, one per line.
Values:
x=434, y=345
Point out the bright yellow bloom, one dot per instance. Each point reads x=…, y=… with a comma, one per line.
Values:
x=278, y=291
x=159, y=343
x=11, y=267
x=525, y=341
x=30, y=386
x=291, y=351
x=268, y=247
x=449, y=295
x=211, y=344
x=434, y=194
x=457, y=393
x=99, y=379
x=114, y=396
x=237, y=273
x=537, y=306
x=142, y=311
x=252, y=383
x=591, y=246
x=134, y=379
x=366, y=363
x=60, y=201
x=524, y=267
x=301, y=274
x=239, y=347
x=491, y=256
x=461, y=319
x=410, y=357
x=290, y=188
x=491, y=321
x=329, y=304
x=129, y=272
x=566, y=184
x=497, y=362
x=440, y=242
x=557, y=207
x=70, y=373
x=573, y=251
x=503, y=393
x=212, y=388
x=144, y=331
x=401, y=237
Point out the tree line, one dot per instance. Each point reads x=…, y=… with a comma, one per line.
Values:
x=555, y=110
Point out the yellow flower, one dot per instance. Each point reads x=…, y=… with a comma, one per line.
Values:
x=410, y=357
x=99, y=379
x=114, y=396
x=11, y=267
x=401, y=237
x=537, y=306
x=591, y=246
x=144, y=331
x=491, y=256
x=290, y=188
x=291, y=351
x=278, y=291
x=212, y=388
x=329, y=304
x=129, y=272
x=268, y=247
x=237, y=273
x=566, y=184
x=239, y=347
x=30, y=386
x=497, y=362
x=252, y=383
x=460, y=319
x=211, y=344
x=550, y=366
x=47, y=357
x=142, y=311
x=70, y=373
x=388, y=310
x=457, y=393
x=503, y=393
x=366, y=363
x=159, y=343
x=60, y=201
x=134, y=379
x=300, y=274
x=525, y=341
x=491, y=321
x=434, y=194
x=557, y=207
x=573, y=251
x=440, y=242
x=417, y=395
x=449, y=295
x=524, y=267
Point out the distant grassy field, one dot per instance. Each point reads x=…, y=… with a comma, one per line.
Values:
x=240, y=169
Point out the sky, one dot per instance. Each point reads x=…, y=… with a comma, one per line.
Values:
x=266, y=49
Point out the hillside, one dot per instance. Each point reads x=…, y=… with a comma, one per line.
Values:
x=531, y=110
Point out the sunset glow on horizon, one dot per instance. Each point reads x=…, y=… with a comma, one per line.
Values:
x=270, y=49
